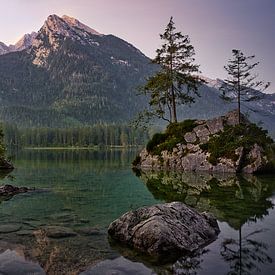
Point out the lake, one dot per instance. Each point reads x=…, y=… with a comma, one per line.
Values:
x=82, y=191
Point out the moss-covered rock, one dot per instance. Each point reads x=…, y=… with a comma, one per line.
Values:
x=216, y=145
x=173, y=135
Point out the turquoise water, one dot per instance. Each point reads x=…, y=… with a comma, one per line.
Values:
x=84, y=191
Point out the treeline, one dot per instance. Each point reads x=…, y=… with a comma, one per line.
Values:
x=96, y=135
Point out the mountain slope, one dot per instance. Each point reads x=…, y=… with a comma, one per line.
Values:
x=71, y=75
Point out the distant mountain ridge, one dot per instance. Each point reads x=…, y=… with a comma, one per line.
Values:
x=68, y=74
x=210, y=105
x=23, y=43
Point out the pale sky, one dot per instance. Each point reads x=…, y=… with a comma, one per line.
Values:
x=214, y=26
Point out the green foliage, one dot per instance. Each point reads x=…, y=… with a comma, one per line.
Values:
x=2, y=146
x=233, y=137
x=242, y=84
x=168, y=145
x=178, y=129
x=136, y=161
x=173, y=135
x=176, y=82
x=157, y=139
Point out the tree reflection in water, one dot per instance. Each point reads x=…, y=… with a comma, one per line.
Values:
x=245, y=254
x=189, y=265
x=233, y=199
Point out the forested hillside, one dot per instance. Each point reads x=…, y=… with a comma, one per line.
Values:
x=92, y=79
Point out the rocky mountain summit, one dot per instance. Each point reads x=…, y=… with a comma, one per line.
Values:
x=214, y=145
x=54, y=31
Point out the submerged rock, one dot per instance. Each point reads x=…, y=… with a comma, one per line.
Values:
x=90, y=231
x=58, y=232
x=10, y=190
x=165, y=229
x=8, y=228
x=12, y=263
x=118, y=266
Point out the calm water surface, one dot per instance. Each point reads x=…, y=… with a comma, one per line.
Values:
x=83, y=191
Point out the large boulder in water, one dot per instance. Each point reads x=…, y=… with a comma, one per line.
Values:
x=163, y=229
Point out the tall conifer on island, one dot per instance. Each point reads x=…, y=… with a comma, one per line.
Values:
x=242, y=84
x=177, y=80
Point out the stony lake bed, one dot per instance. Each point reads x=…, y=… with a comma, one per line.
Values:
x=61, y=226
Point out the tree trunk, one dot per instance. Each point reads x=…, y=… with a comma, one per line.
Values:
x=174, y=105
x=239, y=95
x=240, y=247
x=174, y=111
x=239, y=107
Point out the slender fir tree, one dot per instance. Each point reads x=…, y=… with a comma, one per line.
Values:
x=241, y=84
x=177, y=80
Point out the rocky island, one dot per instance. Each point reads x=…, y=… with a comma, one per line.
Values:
x=220, y=144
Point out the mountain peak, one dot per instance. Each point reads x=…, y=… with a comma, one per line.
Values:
x=72, y=22
x=55, y=24
x=54, y=28
x=65, y=25
x=57, y=29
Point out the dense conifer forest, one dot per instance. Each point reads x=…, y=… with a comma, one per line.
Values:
x=97, y=135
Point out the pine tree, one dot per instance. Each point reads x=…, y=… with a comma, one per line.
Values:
x=242, y=84
x=176, y=82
